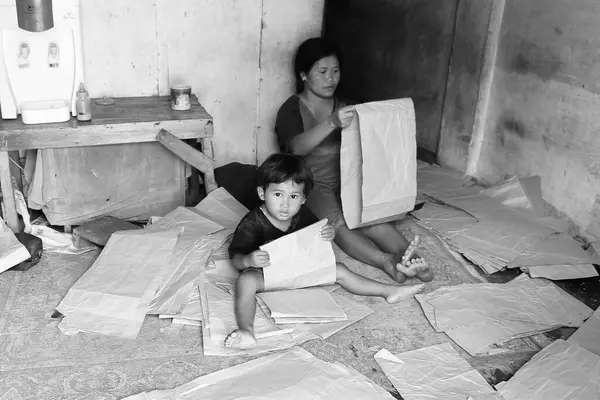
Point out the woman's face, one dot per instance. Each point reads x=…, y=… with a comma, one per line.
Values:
x=323, y=77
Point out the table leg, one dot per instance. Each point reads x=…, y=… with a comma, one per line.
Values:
x=209, y=176
x=8, y=196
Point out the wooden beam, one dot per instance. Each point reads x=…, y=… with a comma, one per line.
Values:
x=9, y=209
x=54, y=136
x=190, y=155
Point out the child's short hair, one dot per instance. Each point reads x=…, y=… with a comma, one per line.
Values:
x=282, y=167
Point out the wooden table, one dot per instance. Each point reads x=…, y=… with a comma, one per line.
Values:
x=128, y=120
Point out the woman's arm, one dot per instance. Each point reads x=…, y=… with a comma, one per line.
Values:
x=306, y=142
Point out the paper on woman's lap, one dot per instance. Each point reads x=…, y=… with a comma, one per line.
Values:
x=300, y=259
x=378, y=163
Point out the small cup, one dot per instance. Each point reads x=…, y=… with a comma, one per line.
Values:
x=181, y=98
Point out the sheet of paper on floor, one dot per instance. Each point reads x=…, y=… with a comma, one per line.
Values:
x=301, y=259
x=378, y=163
x=435, y=372
x=302, y=303
x=113, y=296
x=294, y=374
x=479, y=316
x=12, y=252
x=561, y=272
x=560, y=371
x=221, y=207
x=588, y=335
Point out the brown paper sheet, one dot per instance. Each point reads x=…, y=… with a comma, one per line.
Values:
x=113, y=296
x=561, y=371
x=298, y=260
x=221, y=207
x=436, y=372
x=294, y=374
x=588, y=335
x=378, y=163
x=12, y=252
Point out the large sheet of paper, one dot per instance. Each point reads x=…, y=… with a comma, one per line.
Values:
x=302, y=303
x=113, y=296
x=480, y=316
x=300, y=259
x=378, y=163
x=561, y=371
x=12, y=252
x=588, y=335
x=436, y=372
x=221, y=207
x=292, y=375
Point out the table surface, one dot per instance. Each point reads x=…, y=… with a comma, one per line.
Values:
x=128, y=120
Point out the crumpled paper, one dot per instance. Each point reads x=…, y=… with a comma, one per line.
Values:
x=378, y=163
x=435, y=372
x=561, y=371
x=300, y=259
x=292, y=375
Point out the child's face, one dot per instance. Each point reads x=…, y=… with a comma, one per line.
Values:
x=283, y=200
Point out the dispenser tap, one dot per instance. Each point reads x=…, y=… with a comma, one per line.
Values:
x=24, y=52
x=53, y=55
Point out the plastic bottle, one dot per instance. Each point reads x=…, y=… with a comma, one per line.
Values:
x=83, y=104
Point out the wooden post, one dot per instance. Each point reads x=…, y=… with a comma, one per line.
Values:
x=8, y=196
x=190, y=155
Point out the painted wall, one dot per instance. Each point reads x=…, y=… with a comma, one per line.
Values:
x=396, y=49
x=544, y=112
x=235, y=55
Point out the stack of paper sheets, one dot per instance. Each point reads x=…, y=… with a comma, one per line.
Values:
x=301, y=306
x=494, y=236
x=150, y=271
x=561, y=371
x=479, y=317
x=436, y=372
x=292, y=375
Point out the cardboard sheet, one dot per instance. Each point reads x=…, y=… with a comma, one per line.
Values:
x=436, y=372
x=561, y=371
x=588, y=335
x=113, y=296
x=378, y=163
x=298, y=260
x=302, y=303
x=292, y=375
x=480, y=316
x=12, y=252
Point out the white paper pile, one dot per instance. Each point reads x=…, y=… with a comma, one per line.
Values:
x=436, y=372
x=479, y=317
x=291, y=375
x=493, y=235
x=561, y=371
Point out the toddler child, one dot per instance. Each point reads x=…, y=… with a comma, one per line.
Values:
x=284, y=181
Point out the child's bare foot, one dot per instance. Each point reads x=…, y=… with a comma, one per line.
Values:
x=240, y=339
x=399, y=293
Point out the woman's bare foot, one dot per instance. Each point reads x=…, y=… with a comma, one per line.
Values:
x=240, y=339
x=411, y=250
x=389, y=266
x=399, y=293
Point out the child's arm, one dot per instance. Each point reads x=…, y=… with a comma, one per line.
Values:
x=256, y=259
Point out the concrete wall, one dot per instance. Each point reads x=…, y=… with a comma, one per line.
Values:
x=541, y=114
x=396, y=49
x=236, y=56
